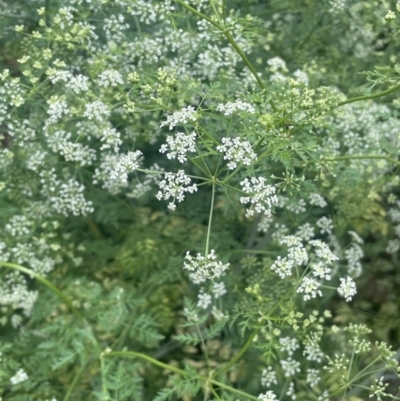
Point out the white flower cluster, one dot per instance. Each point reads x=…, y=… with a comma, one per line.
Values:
x=96, y=111
x=14, y=292
x=288, y=345
x=337, y=6
x=317, y=200
x=60, y=142
x=268, y=377
x=204, y=300
x=178, y=145
x=297, y=207
x=174, y=186
x=310, y=288
x=149, y=12
x=268, y=396
x=325, y=225
x=64, y=196
x=276, y=63
x=110, y=78
x=238, y=105
x=313, y=377
x=301, y=77
x=110, y=138
x=353, y=255
x=264, y=224
x=57, y=109
x=262, y=198
x=126, y=164
x=290, y=367
x=347, y=288
x=236, y=151
x=77, y=83
x=305, y=232
x=297, y=256
x=180, y=117
x=204, y=268
x=312, y=350
x=19, y=377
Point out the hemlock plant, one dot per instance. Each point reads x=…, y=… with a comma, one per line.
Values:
x=191, y=192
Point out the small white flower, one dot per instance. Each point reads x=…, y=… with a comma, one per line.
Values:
x=264, y=224
x=218, y=315
x=263, y=196
x=313, y=377
x=174, y=186
x=268, y=377
x=290, y=367
x=178, y=145
x=180, y=117
x=291, y=391
x=356, y=238
x=301, y=77
x=96, y=110
x=204, y=268
x=276, y=63
x=126, y=164
x=317, y=200
x=347, y=288
x=232, y=107
x=219, y=289
x=353, y=256
x=283, y=267
x=320, y=270
x=236, y=152
x=204, y=300
x=110, y=78
x=19, y=377
x=322, y=251
x=297, y=207
x=325, y=225
x=310, y=288
x=305, y=232
x=393, y=246
x=289, y=345
x=268, y=396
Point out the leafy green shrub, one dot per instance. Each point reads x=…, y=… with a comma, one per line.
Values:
x=190, y=192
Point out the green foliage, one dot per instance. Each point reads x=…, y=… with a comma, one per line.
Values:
x=189, y=189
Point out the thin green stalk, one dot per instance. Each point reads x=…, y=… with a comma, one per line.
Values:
x=210, y=218
x=250, y=340
x=233, y=44
x=103, y=382
x=239, y=354
x=199, y=14
x=74, y=381
x=374, y=96
x=174, y=369
x=44, y=281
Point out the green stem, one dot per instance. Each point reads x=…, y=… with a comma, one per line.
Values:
x=375, y=96
x=74, y=381
x=210, y=219
x=199, y=14
x=103, y=381
x=233, y=44
x=239, y=354
x=174, y=369
x=44, y=281
x=250, y=339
